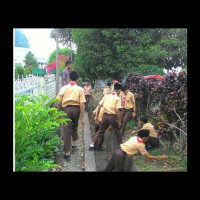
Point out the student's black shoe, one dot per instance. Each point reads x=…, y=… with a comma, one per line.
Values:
x=95, y=147
x=91, y=148
x=100, y=149
x=67, y=157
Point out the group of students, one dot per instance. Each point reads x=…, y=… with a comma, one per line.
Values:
x=115, y=109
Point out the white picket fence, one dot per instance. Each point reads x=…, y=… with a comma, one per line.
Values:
x=35, y=85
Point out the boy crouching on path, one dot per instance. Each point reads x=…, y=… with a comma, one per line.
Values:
x=153, y=139
x=72, y=99
x=111, y=115
x=99, y=143
x=133, y=146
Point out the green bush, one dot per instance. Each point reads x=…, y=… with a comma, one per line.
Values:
x=130, y=125
x=19, y=70
x=27, y=71
x=35, y=136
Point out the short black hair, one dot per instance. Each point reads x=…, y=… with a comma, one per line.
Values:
x=124, y=87
x=117, y=86
x=73, y=75
x=87, y=81
x=108, y=84
x=68, y=62
x=144, y=118
x=143, y=133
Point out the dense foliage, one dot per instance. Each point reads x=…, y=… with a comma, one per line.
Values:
x=146, y=70
x=35, y=136
x=165, y=102
x=30, y=60
x=64, y=54
x=105, y=53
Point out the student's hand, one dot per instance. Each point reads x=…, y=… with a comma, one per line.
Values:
x=120, y=124
x=133, y=114
x=134, y=158
x=83, y=121
x=163, y=157
x=133, y=132
x=96, y=120
x=90, y=121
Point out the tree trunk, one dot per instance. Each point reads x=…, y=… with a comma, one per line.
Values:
x=57, y=64
x=71, y=49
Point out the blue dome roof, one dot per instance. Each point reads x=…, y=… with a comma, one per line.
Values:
x=20, y=39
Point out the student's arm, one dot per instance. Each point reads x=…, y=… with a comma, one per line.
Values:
x=143, y=151
x=98, y=110
x=133, y=132
x=118, y=118
x=82, y=101
x=64, y=77
x=91, y=118
x=97, y=116
x=64, y=83
x=82, y=113
x=151, y=157
x=60, y=96
x=134, y=107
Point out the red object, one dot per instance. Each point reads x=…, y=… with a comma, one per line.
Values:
x=156, y=76
x=123, y=101
x=113, y=93
x=139, y=140
x=71, y=83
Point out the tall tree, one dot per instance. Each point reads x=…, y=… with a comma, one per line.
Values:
x=104, y=53
x=30, y=60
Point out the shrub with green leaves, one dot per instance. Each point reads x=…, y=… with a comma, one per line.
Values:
x=35, y=136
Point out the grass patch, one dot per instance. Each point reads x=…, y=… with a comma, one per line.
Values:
x=130, y=125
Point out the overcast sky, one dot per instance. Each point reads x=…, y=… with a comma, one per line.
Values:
x=41, y=45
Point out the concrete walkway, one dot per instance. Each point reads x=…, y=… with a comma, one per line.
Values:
x=90, y=164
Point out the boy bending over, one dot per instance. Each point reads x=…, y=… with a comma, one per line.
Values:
x=131, y=147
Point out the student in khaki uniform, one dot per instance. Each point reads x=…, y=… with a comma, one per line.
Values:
x=153, y=140
x=106, y=90
x=111, y=115
x=88, y=93
x=131, y=147
x=72, y=99
x=99, y=143
x=128, y=107
x=113, y=82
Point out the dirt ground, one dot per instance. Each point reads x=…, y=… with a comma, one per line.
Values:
x=76, y=164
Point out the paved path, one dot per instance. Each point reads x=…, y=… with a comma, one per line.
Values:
x=90, y=164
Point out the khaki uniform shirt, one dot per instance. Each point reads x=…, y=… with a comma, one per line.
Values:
x=87, y=90
x=133, y=146
x=129, y=101
x=110, y=102
x=100, y=113
x=71, y=95
x=151, y=129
